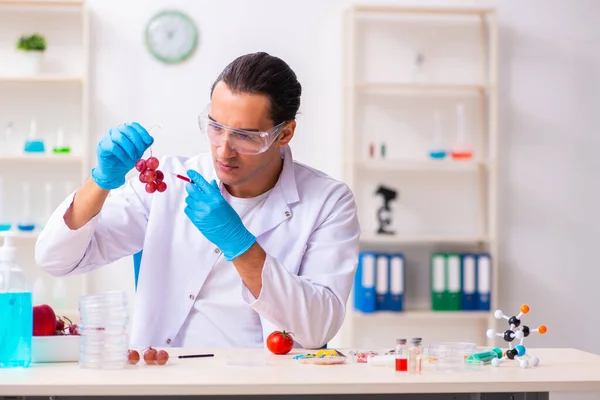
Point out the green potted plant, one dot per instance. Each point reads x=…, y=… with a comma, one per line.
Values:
x=31, y=49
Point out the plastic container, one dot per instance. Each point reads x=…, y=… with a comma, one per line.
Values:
x=16, y=306
x=104, y=330
x=444, y=350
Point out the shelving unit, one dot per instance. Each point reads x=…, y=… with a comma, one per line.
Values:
x=401, y=66
x=57, y=97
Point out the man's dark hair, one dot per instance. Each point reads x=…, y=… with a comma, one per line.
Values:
x=262, y=73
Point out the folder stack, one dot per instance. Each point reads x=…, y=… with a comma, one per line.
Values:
x=379, y=282
x=460, y=282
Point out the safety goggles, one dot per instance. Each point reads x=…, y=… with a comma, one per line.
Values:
x=240, y=140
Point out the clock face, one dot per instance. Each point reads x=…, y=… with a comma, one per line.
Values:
x=171, y=36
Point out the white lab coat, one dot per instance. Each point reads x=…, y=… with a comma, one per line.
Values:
x=308, y=227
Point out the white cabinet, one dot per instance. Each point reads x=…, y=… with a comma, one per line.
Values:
x=418, y=81
x=56, y=98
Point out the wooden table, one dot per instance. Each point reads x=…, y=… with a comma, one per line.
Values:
x=257, y=372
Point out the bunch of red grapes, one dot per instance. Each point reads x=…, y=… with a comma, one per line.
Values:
x=151, y=356
x=151, y=175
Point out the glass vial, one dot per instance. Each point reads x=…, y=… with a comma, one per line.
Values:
x=26, y=224
x=5, y=222
x=461, y=150
x=437, y=150
x=33, y=144
x=61, y=147
x=401, y=353
x=415, y=353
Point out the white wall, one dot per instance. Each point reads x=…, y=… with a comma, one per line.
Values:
x=550, y=90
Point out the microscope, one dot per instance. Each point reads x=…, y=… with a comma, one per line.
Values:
x=384, y=216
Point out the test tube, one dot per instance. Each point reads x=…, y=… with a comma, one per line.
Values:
x=5, y=223
x=26, y=224
x=461, y=150
x=437, y=150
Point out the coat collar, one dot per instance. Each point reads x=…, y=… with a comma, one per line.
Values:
x=276, y=208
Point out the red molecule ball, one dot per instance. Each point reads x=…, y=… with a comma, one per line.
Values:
x=161, y=187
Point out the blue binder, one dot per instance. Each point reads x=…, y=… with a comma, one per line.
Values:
x=469, y=281
x=364, y=283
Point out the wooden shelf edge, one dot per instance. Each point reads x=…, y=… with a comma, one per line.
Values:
x=370, y=9
x=20, y=234
x=383, y=87
x=42, y=3
x=406, y=239
x=421, y=165
x=47, y=157
x=44, y=78
x=423, y=314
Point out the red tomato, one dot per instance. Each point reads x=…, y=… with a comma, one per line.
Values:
x=280, y=342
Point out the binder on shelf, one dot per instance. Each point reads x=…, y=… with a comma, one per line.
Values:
x=439, y=293
x=364, y=283
x=484, y=281
x=469, y=282
x=382, y=285
x=453, y=282
x=397, y=275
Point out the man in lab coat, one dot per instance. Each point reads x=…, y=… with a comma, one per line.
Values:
x=257, y=242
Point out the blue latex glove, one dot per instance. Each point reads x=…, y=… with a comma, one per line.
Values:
x=215, y=218
x=117, y=153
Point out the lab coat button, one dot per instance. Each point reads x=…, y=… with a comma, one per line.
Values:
x=287, y=213
x=168, y=341
x=217, y=251
x=191, y=297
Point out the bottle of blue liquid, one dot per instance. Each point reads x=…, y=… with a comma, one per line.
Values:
x=16, y=311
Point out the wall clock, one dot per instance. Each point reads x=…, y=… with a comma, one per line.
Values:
x=171, y=36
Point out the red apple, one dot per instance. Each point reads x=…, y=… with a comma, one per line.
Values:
x=44, y=320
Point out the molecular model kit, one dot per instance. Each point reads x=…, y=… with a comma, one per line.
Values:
x=516, y=331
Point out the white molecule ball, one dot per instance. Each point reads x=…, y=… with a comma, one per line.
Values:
x=498, y=314
x=519, y=334
x=490, y=333
x=523, y=363
x=495, y=362
x=535, y=361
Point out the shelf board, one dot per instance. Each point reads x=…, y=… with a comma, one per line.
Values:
x=398, y=88
x=41, y=3
x=20, y=235
x=422, y=315
x=447, y=165
x=399, y=239
x=42, y=78
x=385, y=9
x=46, y=157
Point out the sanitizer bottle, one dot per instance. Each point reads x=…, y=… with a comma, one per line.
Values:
x=16, y=309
